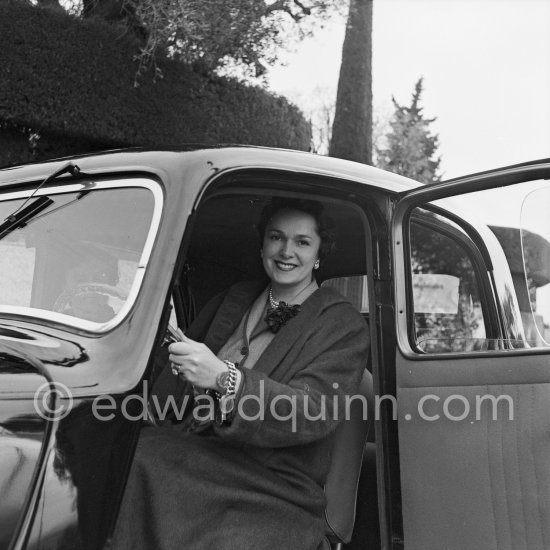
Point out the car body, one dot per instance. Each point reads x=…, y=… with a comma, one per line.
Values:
x=102, y=254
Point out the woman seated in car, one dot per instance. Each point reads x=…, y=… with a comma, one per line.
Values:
x=278, y=358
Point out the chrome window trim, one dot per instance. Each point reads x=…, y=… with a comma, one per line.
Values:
x=75, y=322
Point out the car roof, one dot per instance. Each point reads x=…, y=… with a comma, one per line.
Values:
x=218, y=159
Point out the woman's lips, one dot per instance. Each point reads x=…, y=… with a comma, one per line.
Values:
x=285, y=266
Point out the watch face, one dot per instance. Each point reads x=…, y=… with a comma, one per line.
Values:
x=222, y=381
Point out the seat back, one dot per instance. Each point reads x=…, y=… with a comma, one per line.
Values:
x=347, y=455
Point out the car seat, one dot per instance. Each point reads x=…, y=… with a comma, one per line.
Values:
x=347, y=457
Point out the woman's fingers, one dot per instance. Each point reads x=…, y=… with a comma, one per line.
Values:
x=182, y=359
x=195, y=362
x=182, y=348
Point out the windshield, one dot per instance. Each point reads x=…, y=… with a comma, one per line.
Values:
x=78, y=260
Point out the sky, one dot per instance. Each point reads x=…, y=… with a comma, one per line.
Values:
x=486, y=69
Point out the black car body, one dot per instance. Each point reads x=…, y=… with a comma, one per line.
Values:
x=102, y=254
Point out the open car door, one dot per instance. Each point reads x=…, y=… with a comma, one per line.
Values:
x=472, y=288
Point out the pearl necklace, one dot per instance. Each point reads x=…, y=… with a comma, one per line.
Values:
x=272, y=303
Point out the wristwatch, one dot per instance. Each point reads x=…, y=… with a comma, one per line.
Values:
x=225, y=386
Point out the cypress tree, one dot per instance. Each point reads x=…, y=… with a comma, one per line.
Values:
x=352, y=127
x=410, y=146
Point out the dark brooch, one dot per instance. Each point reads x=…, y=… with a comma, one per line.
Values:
x=276, y=317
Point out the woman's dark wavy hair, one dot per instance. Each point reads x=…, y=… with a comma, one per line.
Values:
x=325, y=225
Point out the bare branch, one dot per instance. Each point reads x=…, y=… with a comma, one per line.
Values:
x=281, y=5
x=276, y=6
x=305, y=9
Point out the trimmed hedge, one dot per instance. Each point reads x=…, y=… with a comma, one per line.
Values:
x=72, y=78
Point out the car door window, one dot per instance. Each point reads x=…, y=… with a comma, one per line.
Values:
x=450, y=274
x=535, y=251
x=447, y=310
x=517, y=215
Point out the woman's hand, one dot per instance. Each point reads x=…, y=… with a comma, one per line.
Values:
x=196, y=363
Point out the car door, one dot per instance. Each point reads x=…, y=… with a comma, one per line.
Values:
x=472, y=274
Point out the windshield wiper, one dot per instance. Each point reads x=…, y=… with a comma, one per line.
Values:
x=22, y=215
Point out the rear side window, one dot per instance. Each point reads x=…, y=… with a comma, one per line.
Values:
x=354, y=288
x=446, y=297
x=80, y=260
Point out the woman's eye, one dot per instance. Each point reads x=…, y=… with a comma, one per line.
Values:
x=275, y=237
x=303, y=243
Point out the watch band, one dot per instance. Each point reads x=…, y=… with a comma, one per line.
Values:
x=226, y=382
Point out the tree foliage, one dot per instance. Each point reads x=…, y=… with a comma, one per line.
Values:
x=410, y=147
x=211, y=33
x=352, y=128
x=214, y=33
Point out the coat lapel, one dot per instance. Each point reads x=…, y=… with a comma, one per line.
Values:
x=231, y=311
x=236, y=303
x=271, y=362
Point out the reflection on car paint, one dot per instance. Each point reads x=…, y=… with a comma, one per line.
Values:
x=53, y=351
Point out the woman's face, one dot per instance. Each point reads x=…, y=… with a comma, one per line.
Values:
x=290, y=249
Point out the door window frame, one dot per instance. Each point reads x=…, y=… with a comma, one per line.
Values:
x=480, y=260
x=420, y=197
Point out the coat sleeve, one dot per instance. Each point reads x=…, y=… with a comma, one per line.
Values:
x=327, y=369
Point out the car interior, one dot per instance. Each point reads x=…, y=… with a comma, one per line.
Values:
x=223, y=248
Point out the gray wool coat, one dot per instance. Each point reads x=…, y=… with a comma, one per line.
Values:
x=257, y=482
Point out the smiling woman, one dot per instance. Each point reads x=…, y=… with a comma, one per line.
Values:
x=296, y=236
x=275, y=361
